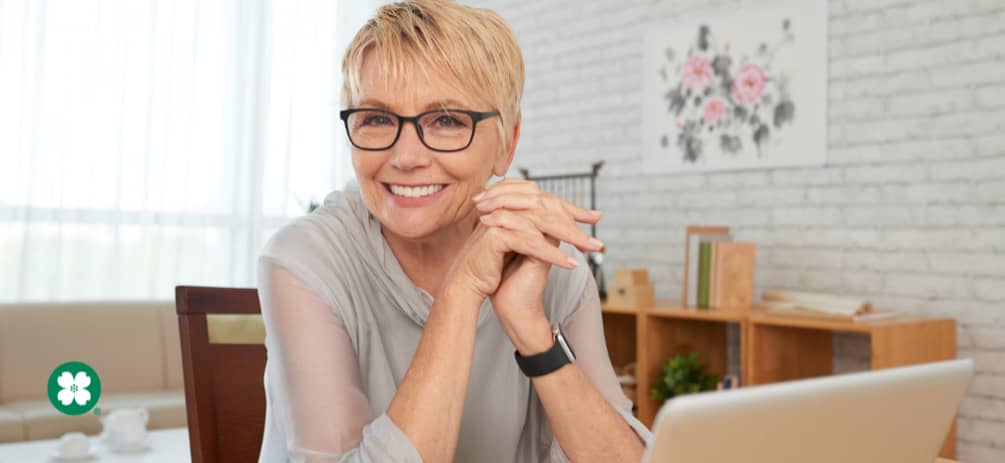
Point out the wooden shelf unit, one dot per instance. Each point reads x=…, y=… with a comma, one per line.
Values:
x=772, y=348
x=787, y=348
x=662, y=331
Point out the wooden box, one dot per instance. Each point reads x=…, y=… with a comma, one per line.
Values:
x=636, y=296
x=631, y=276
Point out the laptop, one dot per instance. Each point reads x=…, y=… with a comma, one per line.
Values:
x=883, y=416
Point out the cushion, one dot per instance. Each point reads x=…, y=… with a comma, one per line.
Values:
x=42, y=421
x=121, y=340
x=173, y=378
x=11, y=425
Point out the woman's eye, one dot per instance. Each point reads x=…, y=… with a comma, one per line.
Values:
x=448, y=122
x=376, y=121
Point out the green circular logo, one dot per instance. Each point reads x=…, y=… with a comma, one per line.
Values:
x=74, y=388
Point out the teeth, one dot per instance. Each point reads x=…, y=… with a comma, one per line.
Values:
x=415, y=192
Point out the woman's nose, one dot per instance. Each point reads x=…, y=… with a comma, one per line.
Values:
x=409, y=152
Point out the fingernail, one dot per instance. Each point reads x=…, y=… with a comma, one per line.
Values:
x=479, y=196
x=596, y=213
x=596, y=243
x=573, y=262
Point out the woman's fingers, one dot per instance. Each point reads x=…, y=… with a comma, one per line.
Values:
x=527, y=201
x=552, y=215
x=516, y=201
x=566, y=230
x=507, y=187
x=547, y=213
x=580, y=214
x=521, y=236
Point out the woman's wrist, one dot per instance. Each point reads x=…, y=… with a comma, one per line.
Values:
x=530, y=336
x=459, y=295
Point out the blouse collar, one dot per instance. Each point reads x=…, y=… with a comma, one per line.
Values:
x=412, y=300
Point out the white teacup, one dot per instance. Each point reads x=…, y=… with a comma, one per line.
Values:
x=74, y=445
x=126, y=428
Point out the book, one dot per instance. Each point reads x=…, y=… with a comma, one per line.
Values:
x=713, y=289
x=787, y=309
x=695, y=235
x=704, y=270
x=734, y=274
x=823, y=306
x=819, y=302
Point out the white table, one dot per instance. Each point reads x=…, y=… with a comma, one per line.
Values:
x=166, y=446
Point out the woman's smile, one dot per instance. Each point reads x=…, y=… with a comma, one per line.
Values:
x=414, y=195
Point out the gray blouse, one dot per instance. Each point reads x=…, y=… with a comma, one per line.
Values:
x=342, y=323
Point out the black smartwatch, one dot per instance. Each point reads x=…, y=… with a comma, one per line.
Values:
x=547, y=361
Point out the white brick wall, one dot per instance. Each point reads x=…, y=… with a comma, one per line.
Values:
x=909, y=212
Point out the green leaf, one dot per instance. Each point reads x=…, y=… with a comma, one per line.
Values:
x=683, y=374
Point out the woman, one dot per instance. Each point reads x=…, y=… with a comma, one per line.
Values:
x=392, y=313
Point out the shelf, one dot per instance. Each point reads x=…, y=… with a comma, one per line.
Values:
x=673, y=309
x=619, y=310
x=773, y=347
x=666, y=332
x=840, y=325
x=785, y=348
x=620, y=330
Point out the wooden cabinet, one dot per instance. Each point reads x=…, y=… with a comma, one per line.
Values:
x=787, y=348
x=652, y=335
x=772, y=348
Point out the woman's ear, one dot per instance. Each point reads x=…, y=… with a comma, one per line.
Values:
x=502, y=164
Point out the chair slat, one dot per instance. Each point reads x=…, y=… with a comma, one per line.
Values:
x=224, y=390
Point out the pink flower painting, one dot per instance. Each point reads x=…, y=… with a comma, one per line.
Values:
x=748, y=84
x=722, y=99
x=715, y=109
x=697, y=73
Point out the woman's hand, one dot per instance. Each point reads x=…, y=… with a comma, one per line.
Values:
x=519, y=205
x=479, y=267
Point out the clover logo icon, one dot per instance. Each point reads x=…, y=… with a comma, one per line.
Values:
x=74, y=388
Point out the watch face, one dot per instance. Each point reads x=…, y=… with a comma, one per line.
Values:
x=560, y=338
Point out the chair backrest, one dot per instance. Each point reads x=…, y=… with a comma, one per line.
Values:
x=223, y=358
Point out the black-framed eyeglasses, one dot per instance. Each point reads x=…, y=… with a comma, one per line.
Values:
x=443, y=130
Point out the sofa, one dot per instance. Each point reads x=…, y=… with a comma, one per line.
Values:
x=133, y=347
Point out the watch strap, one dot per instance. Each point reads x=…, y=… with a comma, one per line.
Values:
x=547, y=361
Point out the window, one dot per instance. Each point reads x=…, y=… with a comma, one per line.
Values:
x=146, y=144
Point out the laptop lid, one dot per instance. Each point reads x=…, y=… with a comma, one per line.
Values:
x=898, y=414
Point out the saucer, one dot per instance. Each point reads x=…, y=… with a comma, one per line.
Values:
x=131, y=448
x=93, y=453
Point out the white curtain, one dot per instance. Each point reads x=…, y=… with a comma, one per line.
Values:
x=146, y=144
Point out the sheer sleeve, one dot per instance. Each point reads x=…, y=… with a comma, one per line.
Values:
x=585, y=330
x=312, y=380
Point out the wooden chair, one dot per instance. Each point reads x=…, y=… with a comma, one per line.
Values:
x=223, y=357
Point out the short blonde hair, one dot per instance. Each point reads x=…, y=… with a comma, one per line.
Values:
x=472, y=47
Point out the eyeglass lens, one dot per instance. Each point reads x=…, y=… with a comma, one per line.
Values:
x=439, y=130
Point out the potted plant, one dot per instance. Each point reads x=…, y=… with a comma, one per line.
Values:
x=683, y=374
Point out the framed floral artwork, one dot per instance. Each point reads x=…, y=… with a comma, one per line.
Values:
x=740, y=89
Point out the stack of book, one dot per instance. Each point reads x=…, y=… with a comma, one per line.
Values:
x=822, y=306
x=718, y=272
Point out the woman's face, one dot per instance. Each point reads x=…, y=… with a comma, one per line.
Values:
x=446, y=181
